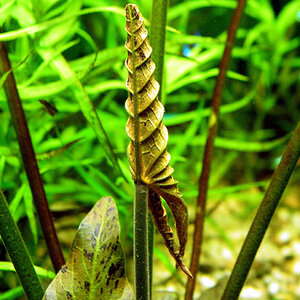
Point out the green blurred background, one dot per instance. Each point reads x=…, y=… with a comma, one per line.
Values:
x=69, y=53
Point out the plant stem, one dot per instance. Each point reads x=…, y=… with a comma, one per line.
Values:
x=263, y=217
x=157, y=40
x=140, y=245
x=29, y=160
x=18, y=253
x=150, y=249
x=213, y=122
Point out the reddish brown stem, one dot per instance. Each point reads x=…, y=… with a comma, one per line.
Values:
x=29, y=160
x=213, y=122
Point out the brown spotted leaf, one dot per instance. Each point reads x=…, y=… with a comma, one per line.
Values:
x=154, y=159
x=179, y=211
x=95, y=269
x=160, y=220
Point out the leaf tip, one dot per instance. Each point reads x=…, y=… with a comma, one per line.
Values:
x=131, y=11
x=185, y=269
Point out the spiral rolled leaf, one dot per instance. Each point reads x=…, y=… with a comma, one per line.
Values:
x=154, y=159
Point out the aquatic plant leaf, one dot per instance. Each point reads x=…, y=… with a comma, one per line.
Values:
x=128, y=293
x=95, y=269
x=179, y=211
x=5, y=75
x=160, y=220
x=52, y=153
x=154, y=159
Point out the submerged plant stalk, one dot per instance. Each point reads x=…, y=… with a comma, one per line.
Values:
x=30, y=162
x=157, y=40
x=207, y=157
x=18, y=253
x=140, y=243
x=263, y=217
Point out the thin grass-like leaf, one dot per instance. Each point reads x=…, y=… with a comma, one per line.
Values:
x=12, y=35
x=12, y=294
x=8, y=266
x=224, y=109
x=52, y=153
x=177, y=10
x=237, y=145
x=88, y=109
x=29, y=210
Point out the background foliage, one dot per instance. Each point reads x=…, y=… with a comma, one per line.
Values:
x=71, y=52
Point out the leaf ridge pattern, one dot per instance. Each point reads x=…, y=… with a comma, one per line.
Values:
x=95, y=268
x=153, y=136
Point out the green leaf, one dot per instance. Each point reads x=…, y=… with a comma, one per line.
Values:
x=4, y=8
x=180, y=118
x=8, y=266
x=57, y=151
x=177, y=10
x=15, y=204
x=5, y=75
x=95, y=269
x=87, y=106
x=235, y=144
x=2, y=165
x=287, y=16
x=12, y=294
x=12, y=35
x=64, y=30
x=29, y=209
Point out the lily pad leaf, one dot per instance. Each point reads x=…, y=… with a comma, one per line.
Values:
x=95, y=269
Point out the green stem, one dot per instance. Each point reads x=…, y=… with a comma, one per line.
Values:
x=30, y=162
x=263, y=217
x=157, y=40
x=140, y=243
x=150, y=250
x=18, y=253
x=140, y=248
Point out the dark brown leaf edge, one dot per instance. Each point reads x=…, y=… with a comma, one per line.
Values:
x=160, y=220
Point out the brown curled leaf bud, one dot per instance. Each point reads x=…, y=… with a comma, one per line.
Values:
x=154, y=159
